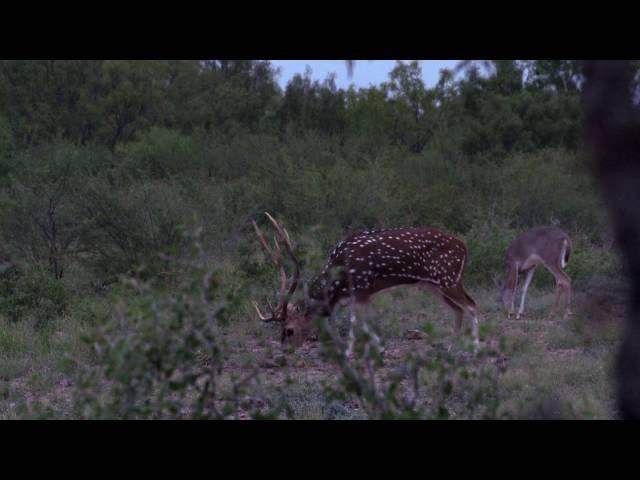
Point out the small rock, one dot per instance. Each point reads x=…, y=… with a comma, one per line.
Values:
x=280, y=360
x=268, y=364
x=413, y=335
x=276, y=362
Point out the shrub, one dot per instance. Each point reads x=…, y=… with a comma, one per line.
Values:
x=549, y=186
x=487, y=240
x=161, y=355
x=132, y=226
x=431, y=384
x=163, y=153
x=33, y=293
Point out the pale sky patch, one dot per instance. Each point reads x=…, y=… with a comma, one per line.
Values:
x=365, y=74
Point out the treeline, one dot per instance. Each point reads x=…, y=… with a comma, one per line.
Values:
x=518, y=106
x=104, y=165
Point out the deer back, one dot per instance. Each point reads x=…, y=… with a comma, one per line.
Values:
x=372, y=261
x=543, y=243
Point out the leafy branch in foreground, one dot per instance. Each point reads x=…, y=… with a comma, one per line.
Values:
x=162, y=355
x=435, y=383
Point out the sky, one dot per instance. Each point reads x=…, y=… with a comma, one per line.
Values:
x=366, y=72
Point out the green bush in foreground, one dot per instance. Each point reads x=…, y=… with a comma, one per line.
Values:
x=32, y=293
x=161, y=355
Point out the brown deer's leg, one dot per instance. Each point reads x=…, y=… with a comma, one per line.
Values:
x=567, y=311
x=511, y=285
x=563, y=285
x=525, y=287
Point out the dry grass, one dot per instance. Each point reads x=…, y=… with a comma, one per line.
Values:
x=552, y=368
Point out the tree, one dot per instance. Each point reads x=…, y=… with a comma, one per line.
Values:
x=612, y=124
x=79, y=101
x=562, y=76
x=111, y=101
x=412, y=106
x=40, y=219
x=312, y=106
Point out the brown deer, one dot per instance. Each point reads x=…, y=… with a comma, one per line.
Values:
x=546, y=245
x=366, y=264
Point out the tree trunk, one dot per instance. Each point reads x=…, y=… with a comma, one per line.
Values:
x=613, y=130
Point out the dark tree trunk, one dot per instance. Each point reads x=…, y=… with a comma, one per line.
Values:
x=613, y=131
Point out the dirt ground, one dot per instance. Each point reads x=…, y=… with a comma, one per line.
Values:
x=569, y=361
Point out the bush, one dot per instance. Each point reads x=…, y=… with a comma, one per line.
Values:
x=163, y=153
x=549, y=186
x=589, y=261
x=6, y=142
x=487, y=240
x=33, y=294
x=161, y=355
x=132, y=226
x=431, y=384
x=40, y=217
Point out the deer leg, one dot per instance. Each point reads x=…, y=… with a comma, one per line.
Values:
x=372, y=334
x=513, y=295
x=565, y=294
x=556, y=301
x=465, y=303
x=563, y=284
x=362, y=303
x=353, y=319
x=474, y=325
x=525, y=287
x=458, y=311
x=567, y=311
x=352, y=337
x=473, y=311
x=459, y=316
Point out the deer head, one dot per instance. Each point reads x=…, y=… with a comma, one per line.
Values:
x=505, y=295
x=292, y=316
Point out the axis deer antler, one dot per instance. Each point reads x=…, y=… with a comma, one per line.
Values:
x=279, y=314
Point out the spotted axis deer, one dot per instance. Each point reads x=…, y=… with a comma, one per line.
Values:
x=366, y=264
x=546, y=245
